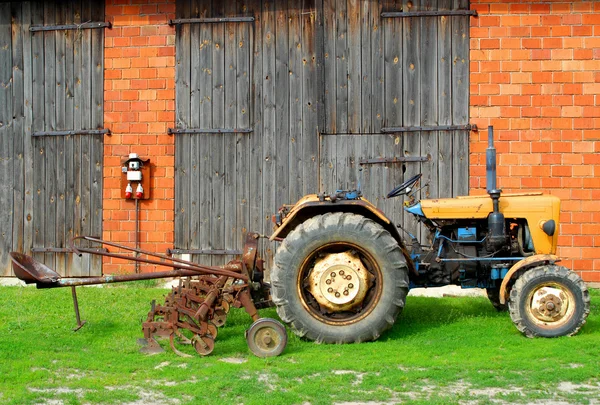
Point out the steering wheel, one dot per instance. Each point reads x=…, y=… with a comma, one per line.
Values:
x=405, y=187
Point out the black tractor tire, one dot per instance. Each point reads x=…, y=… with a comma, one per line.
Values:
x=318, y=236
x=527, y=313
x=494, y=297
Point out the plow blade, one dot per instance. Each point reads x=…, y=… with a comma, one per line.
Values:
x=27, y=269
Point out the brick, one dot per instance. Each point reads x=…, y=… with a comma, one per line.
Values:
x=561, y=31
x=562, y=54
x=531, y=43
x=540, y=54
x=571, y=19
x=582, y=31
x=571, y=111
x=537, y=8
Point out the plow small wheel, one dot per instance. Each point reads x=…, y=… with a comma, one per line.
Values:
x=213, y=330
x=204, y=345
x=266, y=338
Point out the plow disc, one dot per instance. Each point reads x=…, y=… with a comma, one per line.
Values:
x=193, y=311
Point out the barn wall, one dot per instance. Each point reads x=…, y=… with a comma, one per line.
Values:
x=286, y=115
x=535, y=75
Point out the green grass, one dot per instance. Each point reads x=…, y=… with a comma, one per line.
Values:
x=443, y=351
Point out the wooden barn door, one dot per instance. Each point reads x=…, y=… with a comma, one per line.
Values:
x=396, y=78
x=214, y=129
x=51, y=136
x=246, y=135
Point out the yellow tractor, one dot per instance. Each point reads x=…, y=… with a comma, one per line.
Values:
x=342, y=271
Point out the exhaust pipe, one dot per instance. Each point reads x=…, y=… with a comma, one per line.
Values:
x=496, y=223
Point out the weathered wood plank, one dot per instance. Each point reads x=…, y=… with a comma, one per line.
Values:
x=444, y=97
x=310, y=119
x=256, y=198
x=96, y=141
x=366, y=73
x=18, y=114
x=393, y=104
x=276, y=95
x=429, y=106
x=242, y=168
x=411, y=84
x=231, y=75
x=204, y=180
x=182, y=118
x=460, y=98
x=50, y=125
x=366, y=77
x=319, y=38
x=327, y=161
x=28, y=150
x=296, y=161
x=7, y=138
x=341, y=76
x=374, y=102
x=61, y=172
x=377, y=66
x=70, y=203
x=217, y=142
x=272, y=65
x=39, y=167
x=330, y=66
x=354, y=75
x=196, y=65
x=78, y=265
x=86, y=122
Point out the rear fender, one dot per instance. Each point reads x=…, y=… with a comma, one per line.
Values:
x=530, y=262
x=311, y=206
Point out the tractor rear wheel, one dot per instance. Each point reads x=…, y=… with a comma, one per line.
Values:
x=339, y=278
x=549, y=301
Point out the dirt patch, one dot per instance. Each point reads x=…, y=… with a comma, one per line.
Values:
x=571, y=388
x=359, y=376
x=153, y=397
x=234, y=360
x=267, y=380
x=162, y=365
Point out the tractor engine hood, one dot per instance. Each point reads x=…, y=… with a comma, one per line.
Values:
x=536, y=208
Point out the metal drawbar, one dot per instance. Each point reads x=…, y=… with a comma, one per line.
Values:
x=214, y=20
x=82, y=26
x=425, y=13
x=172, y=131
x=104, y=131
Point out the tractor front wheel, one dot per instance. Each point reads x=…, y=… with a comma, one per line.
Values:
x=549, y=301
x=339, y=278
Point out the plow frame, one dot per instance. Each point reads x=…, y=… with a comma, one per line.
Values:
x=199, y=304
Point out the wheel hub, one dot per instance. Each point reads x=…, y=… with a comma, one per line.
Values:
x=339, y=281
x=549, y=304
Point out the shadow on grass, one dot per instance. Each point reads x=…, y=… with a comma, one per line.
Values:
x=423, y=314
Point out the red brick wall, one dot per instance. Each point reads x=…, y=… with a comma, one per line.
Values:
x=535, y=76
x=139, y=105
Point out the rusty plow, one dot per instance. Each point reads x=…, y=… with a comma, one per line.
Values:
x=194, y=310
